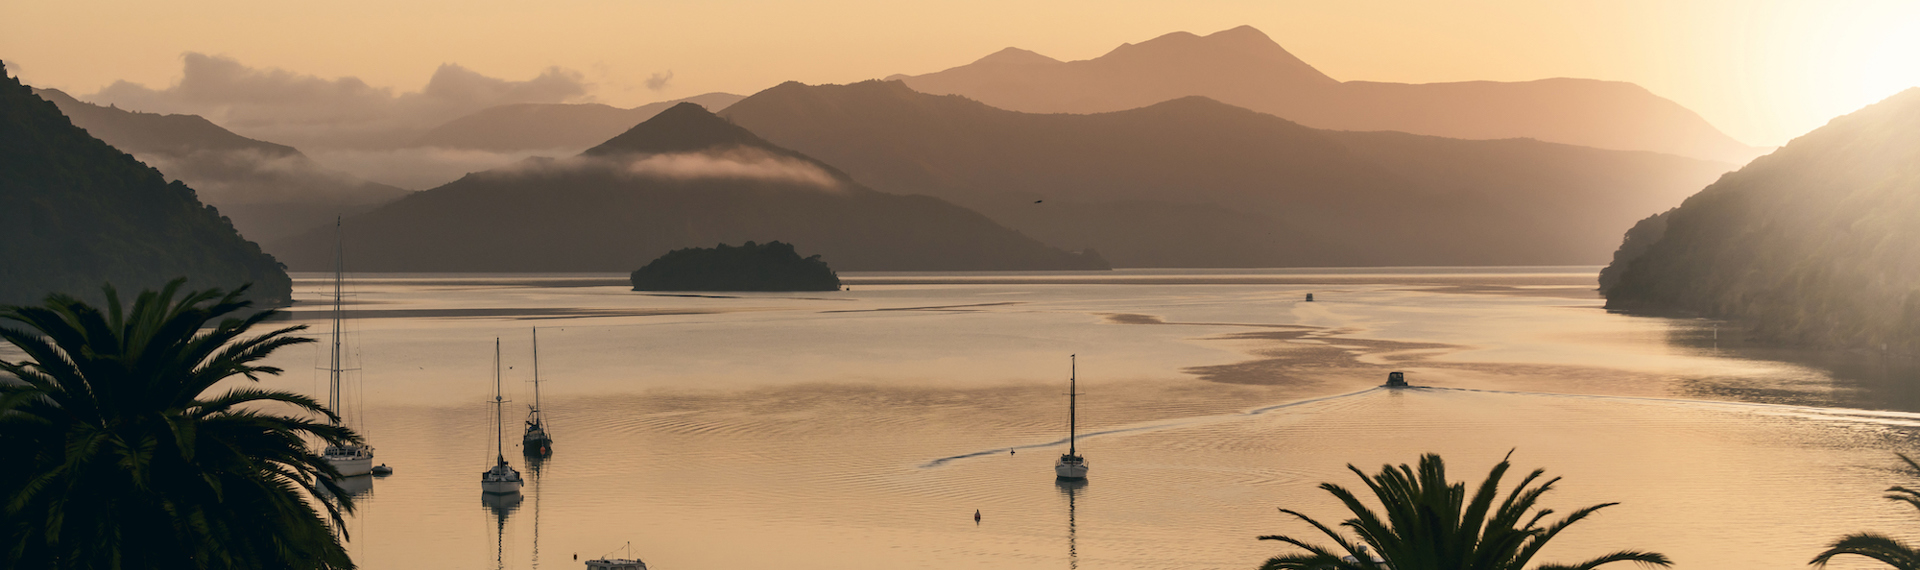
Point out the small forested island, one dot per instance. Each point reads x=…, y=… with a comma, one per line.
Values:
x=772, y=266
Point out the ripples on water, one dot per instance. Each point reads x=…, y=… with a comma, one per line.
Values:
x=862, y=430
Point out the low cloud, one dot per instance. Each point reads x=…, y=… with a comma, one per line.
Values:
x=312, y=112
x=250, y=176
x=421, y=168
x=659, y=81
x=731, y=164
x=736, y=164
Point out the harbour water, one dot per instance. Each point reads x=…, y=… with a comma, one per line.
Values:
x=863, y=428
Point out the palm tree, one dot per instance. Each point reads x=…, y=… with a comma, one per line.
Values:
x=1878, y=546
x=1429, y=524
x=120, y=454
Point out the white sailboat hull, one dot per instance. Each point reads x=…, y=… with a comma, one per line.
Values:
x=1066, y=470
x=351, y=466
x=351, y=460
x=500, y=487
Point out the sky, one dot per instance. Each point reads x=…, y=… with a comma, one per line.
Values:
x=1763, y=71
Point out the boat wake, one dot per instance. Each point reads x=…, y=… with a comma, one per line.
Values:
x=1878, y=417
x=1149, y=427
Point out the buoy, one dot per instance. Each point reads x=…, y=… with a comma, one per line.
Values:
x=1010, y=452
x=976, y=516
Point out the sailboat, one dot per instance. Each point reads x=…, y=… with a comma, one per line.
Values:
x=1072, y=465
x=352, y=459
x=501, y=479
x=535, y=442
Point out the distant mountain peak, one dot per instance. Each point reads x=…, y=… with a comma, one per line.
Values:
x=1015, y=56
x=686, y=127
x=1244, y=46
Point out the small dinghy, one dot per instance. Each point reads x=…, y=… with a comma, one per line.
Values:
x=382, y=469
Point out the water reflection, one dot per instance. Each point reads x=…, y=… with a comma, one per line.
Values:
x=535, y=465
x=1819, y=377
x=356, y=487
x=1071, y=488
x=502, y=506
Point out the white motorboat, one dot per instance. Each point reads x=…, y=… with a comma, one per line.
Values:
x=608, y=562
x=350, y=460
x=502, y=478
x=536, y=441
x=1072, y=465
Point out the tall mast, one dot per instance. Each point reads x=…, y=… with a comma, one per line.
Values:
x=1073, y=394
x=333, y=366
x=536, y=372
x=499, y=439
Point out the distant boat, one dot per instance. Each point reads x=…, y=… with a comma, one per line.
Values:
x=608, y=563
x=351, y=459
x=1396, y=380
x=536, y=441
x=1072, y=465
x=501, y=479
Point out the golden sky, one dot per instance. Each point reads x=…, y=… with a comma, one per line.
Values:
x=1761, y=70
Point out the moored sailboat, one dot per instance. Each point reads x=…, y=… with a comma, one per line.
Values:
x=1072, y=465
x=502, y=478
x=536, y=441
x=352, y=459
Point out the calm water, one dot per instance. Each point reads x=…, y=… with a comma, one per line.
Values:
x=862, y=429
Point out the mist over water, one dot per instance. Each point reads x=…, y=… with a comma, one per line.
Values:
x=862, y=429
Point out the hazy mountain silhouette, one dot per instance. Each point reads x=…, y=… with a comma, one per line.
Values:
x=1245, y=68
x=76, y=213
x=269, y=191
x=1195, y=182
x=684, y=178
x=540, y=126
x=1815, y=243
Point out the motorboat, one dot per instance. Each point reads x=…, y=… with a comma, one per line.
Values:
x=608, y=562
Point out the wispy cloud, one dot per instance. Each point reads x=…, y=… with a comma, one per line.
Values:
x=313, y=112
x=659, y=81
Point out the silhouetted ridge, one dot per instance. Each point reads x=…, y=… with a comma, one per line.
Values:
x=1195, y=182
x=686, y=127
x=76, y=213
x=1815, y=243
x=1245, y=68
x=267, y=190
x=133, y=131
x=1016, y=56
x=684, y=178
x=552, y=126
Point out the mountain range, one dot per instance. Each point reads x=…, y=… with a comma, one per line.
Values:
x=1812, y=244
x=1194, y=182
x=269, y=191
x=76, y=213
x=1245, y=68
x=683, y=178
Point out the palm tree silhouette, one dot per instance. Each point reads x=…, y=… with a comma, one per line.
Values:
x=121, y=453
x=1429, y=524
x=1878, y=546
